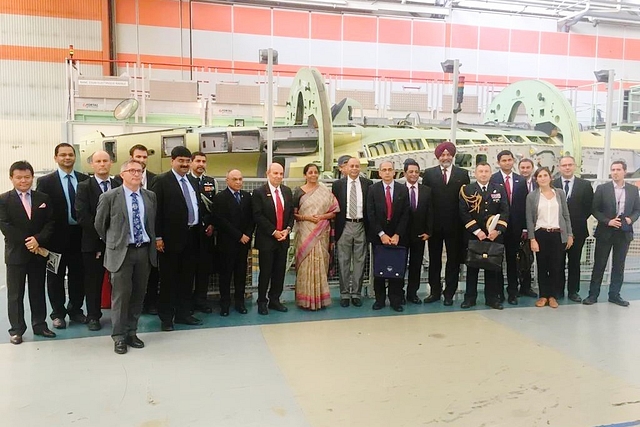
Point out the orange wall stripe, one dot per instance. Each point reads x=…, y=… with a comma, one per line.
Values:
x=359, y=29
x=288, y=23
x=554, y=43
x=464, y=36
x=85, y=9
x=494, y=39
x=429, y=33
x=211, y=17
x=524, y=41
x=44, y=54
x=582, y=45
x=610, y=47
x=126, y=12
x=396, y=31
x=632, y=49
x=326, y=27
x=249, y=20
x=105, y=37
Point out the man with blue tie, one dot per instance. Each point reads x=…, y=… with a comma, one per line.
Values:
x=125, y=221
x=89, y=192
x=61, y=187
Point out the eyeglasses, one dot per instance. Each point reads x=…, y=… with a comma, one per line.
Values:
x=134, y=171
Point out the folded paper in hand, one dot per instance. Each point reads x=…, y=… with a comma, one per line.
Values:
x=53, y=259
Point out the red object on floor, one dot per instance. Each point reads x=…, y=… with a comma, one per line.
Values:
x=105, y=301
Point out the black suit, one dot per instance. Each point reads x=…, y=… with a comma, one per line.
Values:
x=580, y=201
x=517, y=223
x=206, y=260
x=339, y=189
x=66, y=240
x=181, y=244
x=272, y=254
x=398, y=224
x=93, y=247
x=232, y=220
x=16, y=227
x=447, y=230
x=421, y=222
x=605, y=209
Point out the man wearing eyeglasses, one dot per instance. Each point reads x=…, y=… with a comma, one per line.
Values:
x=125, y=221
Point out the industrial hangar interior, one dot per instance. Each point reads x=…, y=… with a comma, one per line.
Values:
x=306, y=82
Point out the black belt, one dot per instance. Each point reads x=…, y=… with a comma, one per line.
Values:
x=550, y=230
x=354, y=220
x=139, y=245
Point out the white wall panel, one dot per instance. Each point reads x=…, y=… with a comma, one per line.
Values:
x=213, y=45
x=162, y=41
x=630, y=70
x=359, y=55
x=246, y=46
x=126, y=38
x=392, y=55
x=469, y=58
x=37, y=31
x=522, y=65
x=554, y=67
x=581, y=68
x=290, y=51
x=325, y=53
x=427, y=58
x=490, y=62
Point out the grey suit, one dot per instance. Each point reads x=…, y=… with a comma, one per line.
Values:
x=563, y=213
x=129, y=265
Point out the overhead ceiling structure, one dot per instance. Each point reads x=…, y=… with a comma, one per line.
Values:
x=567, y=12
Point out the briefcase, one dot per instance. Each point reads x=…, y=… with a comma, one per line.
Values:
x=485, y=254
x=389, y=262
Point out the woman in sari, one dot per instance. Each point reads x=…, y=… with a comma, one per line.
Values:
x=314, y=206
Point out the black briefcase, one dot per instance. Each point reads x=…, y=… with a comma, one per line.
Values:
x=389, y=262
x=485, y=254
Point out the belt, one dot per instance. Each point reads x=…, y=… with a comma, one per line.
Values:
x=551, y=230
x=354, y=220
x=139, y=245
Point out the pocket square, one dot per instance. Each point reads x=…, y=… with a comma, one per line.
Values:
x=42, y=206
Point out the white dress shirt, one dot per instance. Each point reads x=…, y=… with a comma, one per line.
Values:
x=360, y=204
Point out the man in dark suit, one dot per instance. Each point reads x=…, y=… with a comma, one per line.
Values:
x=26, y=220
x=273, y=214
x=125, y=220
x=350, y=231
x=179, y=222
x=388, y=214
x=89, y=192
x=616, y=206
x=579, y=200
x=526, y=169
x=515, y=188
x=479, y=203
x=61, y=186
x=233, y=219
x=420, y=226
x=445, y=181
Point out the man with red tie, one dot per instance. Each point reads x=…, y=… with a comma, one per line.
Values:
x=273, y=215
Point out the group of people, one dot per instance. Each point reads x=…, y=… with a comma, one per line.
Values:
x=154, y=236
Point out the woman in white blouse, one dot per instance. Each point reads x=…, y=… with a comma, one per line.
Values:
x=549, y=230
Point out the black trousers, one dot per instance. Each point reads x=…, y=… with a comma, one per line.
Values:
x=71, y=264
x=204, y=269
x=620, y=245
x=416, y=254
x=573, y=255
x=177, y=272
x=234, y=264
x=549, y=261
x=511, y=246
x=93, y=278
x=273, y=264
x=16, y=275
x=453, y=242
x=492, y=285
x=153, y=288
x=395, y=290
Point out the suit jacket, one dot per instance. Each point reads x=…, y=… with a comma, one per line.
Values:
x=112, y=225
x=16, y=225
x=377, y=213
x=50, y=184
x=264, y=214
x=579, y=203
x=517, y=208
x=339, y=190
x=172, y=217
x=232, y=220
x=150, y=178
x=605, y=209
x=421, y=220
x=87, y=197
x=564, y=220
x=445, y=198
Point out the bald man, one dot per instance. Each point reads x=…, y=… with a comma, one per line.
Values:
x=273, y=214
x=92, y=246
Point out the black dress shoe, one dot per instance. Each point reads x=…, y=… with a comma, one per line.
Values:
x=403, y=301
x=589, y=300
x=166, y=326
x=189, y=320
x=344, y=302
x=398, y=307
x=94, y=325
x=278, y=306
x=150, y=309
x=224, y=311
x=78, y=318
x=16, y=339
x=617, y=300
x=45, y=332
x=203, y=309
x=448, y=301
x=357, y=302
x=528, y=293
x=468, y=303
x=431, y=298
x=501, y=298
x=378, y=305
x=120, y=347
x=513, y=300
x=496, y=305
x=240, y=308
x=575, y=297
x=262, y=308
x=414, y=299
x=134, y=341
x=59, y=323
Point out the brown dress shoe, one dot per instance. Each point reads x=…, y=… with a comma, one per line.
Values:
x=541, y=302
x=553, y=303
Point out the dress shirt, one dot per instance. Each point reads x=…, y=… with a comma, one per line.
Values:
x=192, y=194
x=141, y=207
x=572, y=180
x=548, y=212
x=621, y=197
x=100, y=181
x=28, y=197
x=273, y=194
x=384, y=190
x=409, y=190
x=360, y=205
x=144, y=182
x=74, y=181
x=448, y=171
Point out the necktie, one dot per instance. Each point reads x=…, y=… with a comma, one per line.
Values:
x=529, y=186
x=26, y=204
x=137, y=222
x=237, y=194
x=484, y=188
x=187, y=198
x=566, y=188
x=507, y=187
x=353, y=201
x=414, y=205
x=444, y=175
x=72, y=196
x=105, y=186
x=389, y=205
x=279, y=212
